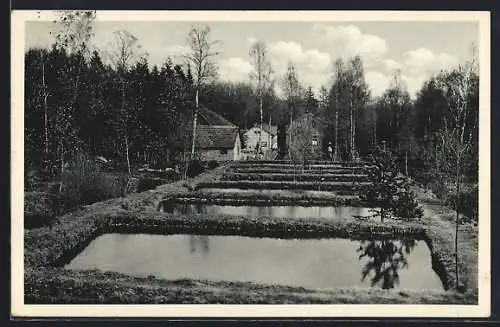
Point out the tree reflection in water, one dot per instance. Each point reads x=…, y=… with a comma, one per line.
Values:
x=385, y=258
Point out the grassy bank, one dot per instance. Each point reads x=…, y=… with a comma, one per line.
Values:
x=441, y=221
x=60, y=286
x=263, y=199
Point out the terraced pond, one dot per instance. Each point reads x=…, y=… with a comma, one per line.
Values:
x=310, y=263
x=269, y=211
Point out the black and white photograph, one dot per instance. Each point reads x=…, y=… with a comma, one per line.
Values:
x=321, y=162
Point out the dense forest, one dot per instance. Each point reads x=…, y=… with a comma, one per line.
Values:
x=113, y=103
x=72, y=105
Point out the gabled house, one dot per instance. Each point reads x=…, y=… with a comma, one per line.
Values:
x=218, y=142
x=216, y=137
x=268, y=137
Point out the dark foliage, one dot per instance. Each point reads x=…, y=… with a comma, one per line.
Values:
x=195, y=167
x=389, y=189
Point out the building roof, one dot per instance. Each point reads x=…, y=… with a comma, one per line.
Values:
x=216, y=136
x=210, y=117
x=271, y=129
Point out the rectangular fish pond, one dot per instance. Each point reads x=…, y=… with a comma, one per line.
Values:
x=327, y=212
x=310, y=263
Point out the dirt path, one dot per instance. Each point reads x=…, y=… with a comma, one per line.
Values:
x=441, y=218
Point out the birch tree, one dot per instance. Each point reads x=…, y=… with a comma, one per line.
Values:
x=261, y=76
x=124, y=51
x=201, y=57
x=291, y=89
x=358, y=95
x=337, y=105
x=45, y=95
x=73, y=38
x=457, y=86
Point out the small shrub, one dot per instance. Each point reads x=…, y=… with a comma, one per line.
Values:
x=84, y=183
x=468, y=202
x=406, y=206
x=39, y=209
x=389, y=189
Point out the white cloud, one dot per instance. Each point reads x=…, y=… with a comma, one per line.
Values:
x=352, y=40
x=234, y=69
x=419, y=65
x=313, y=66
x=377, y=82
x=392, y=65
x=414, y=83
x=251, y=39
x=424, y=61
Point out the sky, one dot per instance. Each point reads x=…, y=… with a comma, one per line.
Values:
x=419, y=49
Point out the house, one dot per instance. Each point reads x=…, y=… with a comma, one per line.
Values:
x=268, y=137
x=216, y=137
x=218, y=142
x=305, y=131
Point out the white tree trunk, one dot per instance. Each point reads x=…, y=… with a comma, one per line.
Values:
x=62, y=168
x=336, y=151
x=457, y=219
x=352, y=132
x=127, y=154
x=46, y=127
x=195, y=122
x=406, y=163
x=259, y=147
x=374, y=128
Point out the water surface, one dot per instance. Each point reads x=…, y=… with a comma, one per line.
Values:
x=268, y=211
x=312, y=263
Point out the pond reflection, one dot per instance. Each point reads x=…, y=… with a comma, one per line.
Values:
x=384, y=260
x=269, y=211
x=311, y=263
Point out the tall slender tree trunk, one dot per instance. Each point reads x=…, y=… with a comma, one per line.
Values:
x=195, y=122
x=127, y=153
x=269, y=139
x=46, y=125
x=125, y=128
x=259, y=147
x=406, y=163
x=353, y=139
x=61, y=179
x=290, y=134
x=457, y=218
x=374, y=127
x=352, y=131
x=336, y=152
